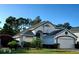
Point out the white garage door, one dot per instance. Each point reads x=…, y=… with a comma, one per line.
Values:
x=66, y=42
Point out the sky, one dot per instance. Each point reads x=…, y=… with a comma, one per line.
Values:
x=55, y=13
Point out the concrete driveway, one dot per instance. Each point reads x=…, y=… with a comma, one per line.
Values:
x=75, y=50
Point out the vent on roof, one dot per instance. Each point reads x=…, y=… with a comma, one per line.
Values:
x=66, y=33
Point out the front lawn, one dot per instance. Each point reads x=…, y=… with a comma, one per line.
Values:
x=40, y=51
x=45, y=51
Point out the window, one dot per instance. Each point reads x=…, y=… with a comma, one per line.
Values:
x=46, y=25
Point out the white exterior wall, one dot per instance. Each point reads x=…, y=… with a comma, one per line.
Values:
x=77, y=34
x=27, y=39
x=45, y=29
x=63, y=33
x=39, y=28
x=48, y=29
x=18, y=39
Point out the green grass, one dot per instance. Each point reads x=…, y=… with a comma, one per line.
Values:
x=41, y=51
x=45, y=51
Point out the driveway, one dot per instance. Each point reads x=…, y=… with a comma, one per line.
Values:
x=75, y=50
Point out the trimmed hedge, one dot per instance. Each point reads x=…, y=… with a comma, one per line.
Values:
x=26, y=45
x=36, y=43
x=54, y=46
x=5, y=50
x=77, y=46
x=13, y=44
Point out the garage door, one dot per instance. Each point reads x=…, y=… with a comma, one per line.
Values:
x=66, y=42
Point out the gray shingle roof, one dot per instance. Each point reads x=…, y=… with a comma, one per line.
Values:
x=56, y=31
x=28, y=33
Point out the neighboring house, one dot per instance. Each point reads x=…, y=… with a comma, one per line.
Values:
x=75, y=30
x=49, y=35
x=5, y=39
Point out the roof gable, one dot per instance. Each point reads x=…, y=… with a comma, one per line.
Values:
x=40, y=24
x=63, y=33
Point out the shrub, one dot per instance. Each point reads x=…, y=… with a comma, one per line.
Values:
x=33, y=43
x=77, y=42
x=12, y=44
x=37, y=43
x=53, y=46
x=5, y=50
x=26, y=45
x=77, y=45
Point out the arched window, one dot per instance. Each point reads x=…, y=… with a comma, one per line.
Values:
x=38, y=33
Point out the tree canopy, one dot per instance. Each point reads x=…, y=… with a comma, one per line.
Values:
x=65, y=25
x=36, y=20
x=15, y=25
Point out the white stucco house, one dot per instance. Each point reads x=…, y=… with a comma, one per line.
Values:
x=49, y=35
